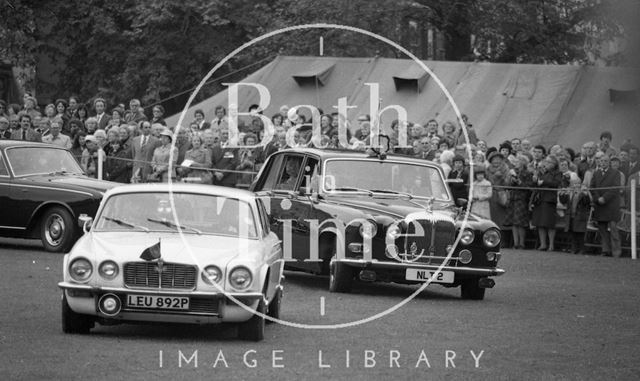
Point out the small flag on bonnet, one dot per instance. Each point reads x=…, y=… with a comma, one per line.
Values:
x=152, y=252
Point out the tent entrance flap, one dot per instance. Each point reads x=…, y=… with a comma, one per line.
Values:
x=317, y=74
x=414, y=78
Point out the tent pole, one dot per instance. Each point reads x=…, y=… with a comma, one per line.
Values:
x=634, y=249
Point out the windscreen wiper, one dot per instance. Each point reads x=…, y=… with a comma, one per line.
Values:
x=126, y=223
x=172, y=224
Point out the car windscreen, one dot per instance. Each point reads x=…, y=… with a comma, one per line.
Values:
x=25, y=161
x=393, y=176
x=196, y=214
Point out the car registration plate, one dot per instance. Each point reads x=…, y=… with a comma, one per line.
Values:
x=158, y=302
x=425, y=275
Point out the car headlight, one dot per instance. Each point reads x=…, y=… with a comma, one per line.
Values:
x=491, y=237
x=240, y=278
x=394, y=232
x=211, y=274
x=368, y=230
x=80, y=270
x=467, y=237
x=108, y=269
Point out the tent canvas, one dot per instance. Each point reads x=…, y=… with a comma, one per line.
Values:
x=546, y=104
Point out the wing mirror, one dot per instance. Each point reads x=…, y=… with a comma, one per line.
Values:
x=462, y=202
x=85, y=222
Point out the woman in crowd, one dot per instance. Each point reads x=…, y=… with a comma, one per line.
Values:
x=74, y=126
x=498, y=175
x=82, y=113
x=61, y=109
x=577, y=205
x=50, y=112
x=89, y=160
x=545, y=202
x=197, y=157
x=326, y=125
x=247, y=159
x=78, y=145
x=91, y=125
x=117, y=117
x=116, y=168
x=482, y=193
x=519, y=216
x=158, y=115
x=162, y=171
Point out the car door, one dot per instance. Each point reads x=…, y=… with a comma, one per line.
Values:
x=7, y=206
x=288, y=211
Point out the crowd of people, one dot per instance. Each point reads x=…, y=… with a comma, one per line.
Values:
x=518, y=185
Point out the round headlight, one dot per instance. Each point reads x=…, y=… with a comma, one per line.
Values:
x=491, y=238
x=393, y=232
x=240, y=278
x=80, y=270
x=108, y=269
x=465, y=256
x=368, y=230
x=211, y=274
x=467, y=237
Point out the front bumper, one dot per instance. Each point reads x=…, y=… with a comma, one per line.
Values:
x=215, y=307
x=386, y=265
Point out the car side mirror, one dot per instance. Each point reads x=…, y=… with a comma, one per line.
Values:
x=85, y=222
x=303, y=191
x=462, y=202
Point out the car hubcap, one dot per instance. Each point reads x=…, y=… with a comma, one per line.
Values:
x=54, y=231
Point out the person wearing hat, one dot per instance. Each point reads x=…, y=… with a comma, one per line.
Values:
x=497, y=173
x=482, y=192
x=89, y=160
x=543, y=214
x=165, y=159
x=460, y=189
x=519, y=216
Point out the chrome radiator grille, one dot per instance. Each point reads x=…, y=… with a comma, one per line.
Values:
x=160, y=275
x=430, y=247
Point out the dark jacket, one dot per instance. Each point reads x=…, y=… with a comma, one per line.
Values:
x=610, y=209
x=225, y=159
x=550, y=179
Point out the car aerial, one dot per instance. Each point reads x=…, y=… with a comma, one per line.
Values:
x=174, y=253
x=375, y=217
x=43, y=190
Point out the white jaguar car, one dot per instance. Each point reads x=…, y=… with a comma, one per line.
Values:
x=200, y=254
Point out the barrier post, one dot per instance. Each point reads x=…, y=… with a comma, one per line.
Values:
x=100, y=163
x=634, y=254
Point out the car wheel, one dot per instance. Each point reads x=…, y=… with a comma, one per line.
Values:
x=340, y=277
x=73, y=322
x=56, y=229
x=469, y=289
x=253, y=329
x=274, y=307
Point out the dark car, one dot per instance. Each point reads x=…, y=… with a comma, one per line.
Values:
x=43, y=191
x=371, y=217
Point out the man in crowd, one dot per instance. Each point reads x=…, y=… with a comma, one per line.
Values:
x=586, y=161
x=136, y=113
x=605, y=144
x=26, y=131
x=224, y=159
x=628, y=168
x=5, y=132
x=607, y=206
x=143, y=147
x=539, y=153
x=100, y=105
x=56, y=137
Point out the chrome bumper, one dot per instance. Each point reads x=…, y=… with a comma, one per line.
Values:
x=375, y=264
x=160, y=291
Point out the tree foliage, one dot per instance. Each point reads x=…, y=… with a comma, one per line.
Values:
x=151, y=49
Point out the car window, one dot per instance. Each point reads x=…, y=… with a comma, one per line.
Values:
x=3, y=168
x=290, y=173
x=273, y=172
x=196, y=213
x=310, y=173
x=41, y=160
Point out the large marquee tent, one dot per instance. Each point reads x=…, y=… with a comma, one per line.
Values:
x=546, y=104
